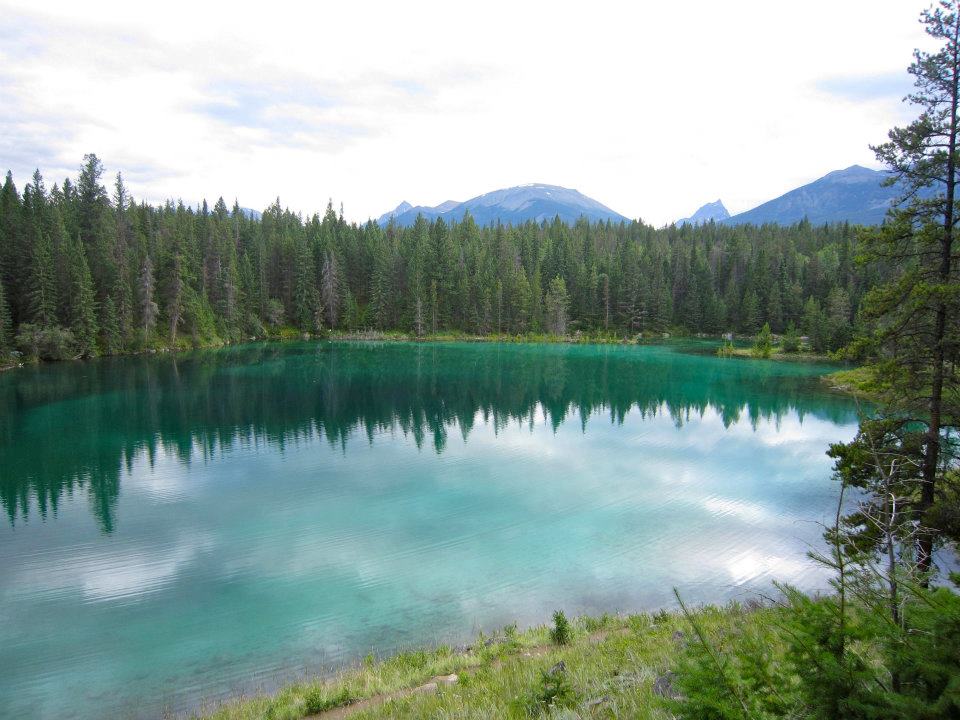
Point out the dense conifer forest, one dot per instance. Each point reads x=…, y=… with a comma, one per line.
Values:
x=85, y=271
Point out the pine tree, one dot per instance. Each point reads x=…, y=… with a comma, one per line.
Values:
x=111, y=338
x=83, y=315
x=916, y=315
x=330, y=288
x=41, y=288
x=305, y=298
x=814, y=325
x=750, y=313
x=148, y=307
x=6, y=324
x=557, y=303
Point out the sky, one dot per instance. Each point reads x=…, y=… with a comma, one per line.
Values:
x=652, y=108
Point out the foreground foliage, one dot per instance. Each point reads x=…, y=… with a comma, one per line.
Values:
x=778, y=660
x=607, y=668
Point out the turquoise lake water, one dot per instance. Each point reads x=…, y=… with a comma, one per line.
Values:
x=180, y=529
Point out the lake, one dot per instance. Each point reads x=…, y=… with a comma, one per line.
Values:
x=178, y=529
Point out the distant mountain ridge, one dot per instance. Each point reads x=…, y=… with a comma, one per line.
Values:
x=537, y=202
x=855, y=194
x=711, y=212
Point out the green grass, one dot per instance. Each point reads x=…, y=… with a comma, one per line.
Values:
x=610, y=664
x=857, y=381
x=776, y=354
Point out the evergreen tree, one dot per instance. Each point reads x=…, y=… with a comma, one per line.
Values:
x=556, y=303
x=41, y=289
x=83, y=315
x=148, y=307
x=6, y=324
x=305, y=299
x=111, y=337
x=916, y=314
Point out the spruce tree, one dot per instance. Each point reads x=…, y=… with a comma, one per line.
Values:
x=111, y=338
x=41, y=288
x=148, y=306
x=556, y=304
x=6, y=324
x=83, y=314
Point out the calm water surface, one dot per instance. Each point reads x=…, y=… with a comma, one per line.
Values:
x=179, y=529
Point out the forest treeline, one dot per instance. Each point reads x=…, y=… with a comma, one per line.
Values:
x=85, y=271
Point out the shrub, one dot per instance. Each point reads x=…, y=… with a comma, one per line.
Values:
x=791, y=340
x=764, y=343
x=726, y=350
x=560, y=632
x=552, y=692
x=53, y=343
x=317, y=701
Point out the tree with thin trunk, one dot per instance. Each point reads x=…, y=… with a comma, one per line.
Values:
x=148, y=307
x=915, y=314
x=557, y=302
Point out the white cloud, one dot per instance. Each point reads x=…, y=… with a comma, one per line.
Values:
x=649, y=108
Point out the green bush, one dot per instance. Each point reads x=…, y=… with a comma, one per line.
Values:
x=560, y=632
x=53, y=343
x=554, y=691
x=726, y=350
x=317, y=701
x=791, y=340
x=764, y=342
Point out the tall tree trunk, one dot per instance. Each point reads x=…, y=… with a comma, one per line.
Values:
x=931, y=459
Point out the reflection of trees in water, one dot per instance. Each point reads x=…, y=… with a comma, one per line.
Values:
x=73, y=427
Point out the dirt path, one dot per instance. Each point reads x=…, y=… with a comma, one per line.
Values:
x=438, y=681
x=377, y=700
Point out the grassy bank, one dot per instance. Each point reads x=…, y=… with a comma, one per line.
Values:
x=777, y=354
x=586, y=338
x=612, y=667
x=858, y=381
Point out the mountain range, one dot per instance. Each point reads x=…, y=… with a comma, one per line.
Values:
x=856, y=195
x=515, y=205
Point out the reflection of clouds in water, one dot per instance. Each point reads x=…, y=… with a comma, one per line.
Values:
x=688, y=475
x=165, y=480
x=751, y=565
x=742, y=509
x=129, y=573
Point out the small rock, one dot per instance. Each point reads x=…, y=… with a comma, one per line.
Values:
x=449, y=679
x=429, y=687
x=663, y=686
x=596, y=701
x=560, y=667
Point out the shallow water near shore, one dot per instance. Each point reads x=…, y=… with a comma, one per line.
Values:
x=180, y=529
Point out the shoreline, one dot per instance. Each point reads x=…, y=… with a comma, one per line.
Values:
x=578, y=338
x=622, y=662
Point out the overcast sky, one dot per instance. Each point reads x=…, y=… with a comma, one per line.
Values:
x=649, y=107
